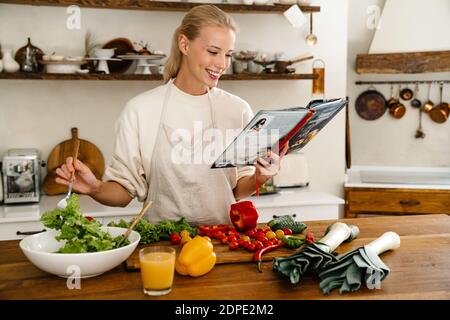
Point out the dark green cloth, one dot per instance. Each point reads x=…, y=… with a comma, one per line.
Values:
x=352, y=269
x=310, y=258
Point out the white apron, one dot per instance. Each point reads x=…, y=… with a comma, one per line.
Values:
x=207, y=194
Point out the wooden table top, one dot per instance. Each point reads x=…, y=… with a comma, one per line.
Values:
x=420, y=269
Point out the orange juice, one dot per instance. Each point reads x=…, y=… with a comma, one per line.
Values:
x=157, y=270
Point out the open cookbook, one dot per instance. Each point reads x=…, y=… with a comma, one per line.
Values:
x=273, y=129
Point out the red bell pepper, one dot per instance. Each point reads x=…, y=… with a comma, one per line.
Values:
x=243, y=215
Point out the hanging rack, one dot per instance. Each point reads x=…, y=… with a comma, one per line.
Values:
x=400, y=82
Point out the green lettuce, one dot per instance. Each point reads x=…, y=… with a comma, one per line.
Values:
x=81, y=234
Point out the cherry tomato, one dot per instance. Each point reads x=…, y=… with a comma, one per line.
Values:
x=266, y=228
x=245, y=238
x=267, y=243
x=224, y=240
x=175, y=238
x=270, y=235
x=258, y=244
x=242, y=243
x=231, y=238
x=233, y=245
x=202, y=230
x=250, y=247
x=287, y=231
x=251, y=233
x=274, y=240
x=279, y=234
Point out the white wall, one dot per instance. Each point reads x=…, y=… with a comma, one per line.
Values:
x=388, y=141
x=40, y=113
x=412, y=26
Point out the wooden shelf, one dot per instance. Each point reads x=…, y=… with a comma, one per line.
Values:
x=411, y=62
x=160, y=5
x=156, y=77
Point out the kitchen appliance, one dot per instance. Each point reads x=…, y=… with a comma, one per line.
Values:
x=293, y=171
x=21, y=175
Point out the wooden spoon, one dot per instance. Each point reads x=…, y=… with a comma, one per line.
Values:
x=135, y=220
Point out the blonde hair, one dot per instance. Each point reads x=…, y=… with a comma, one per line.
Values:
x=193, y=21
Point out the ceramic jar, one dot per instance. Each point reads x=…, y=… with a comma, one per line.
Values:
x=9, y=64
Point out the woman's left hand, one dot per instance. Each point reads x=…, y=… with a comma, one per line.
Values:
x=267, y=169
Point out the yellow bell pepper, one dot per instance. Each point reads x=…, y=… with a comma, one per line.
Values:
x=196, y=257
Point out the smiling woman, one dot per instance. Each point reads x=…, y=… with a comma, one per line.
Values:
x=165, y=136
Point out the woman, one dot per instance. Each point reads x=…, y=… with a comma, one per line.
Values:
x=146, y=160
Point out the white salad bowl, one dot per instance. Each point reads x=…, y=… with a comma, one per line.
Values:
x=41, y=250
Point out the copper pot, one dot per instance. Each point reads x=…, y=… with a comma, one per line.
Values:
x=396, y=108
x=440, y=112
x=406, y=94
x=429, y=104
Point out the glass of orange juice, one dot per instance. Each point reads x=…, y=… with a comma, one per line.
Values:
x=157, y=269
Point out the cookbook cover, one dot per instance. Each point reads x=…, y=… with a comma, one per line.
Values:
x=272, y=129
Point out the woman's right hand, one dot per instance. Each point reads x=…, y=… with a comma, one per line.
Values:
x=84, y=181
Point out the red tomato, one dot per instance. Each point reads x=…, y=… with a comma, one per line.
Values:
x=258, y=244
x=223, y=239
x=231, y=238
x=267, y=243
x=89, y=218
x=274, y=240
x=251, y=233
x=250, y=247
x=287, y=231
x=233, y=245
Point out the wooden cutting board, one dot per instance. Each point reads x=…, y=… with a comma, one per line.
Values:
x=223, y=253
x=88, y=153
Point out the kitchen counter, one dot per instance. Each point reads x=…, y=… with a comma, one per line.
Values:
x=431, y=178
x=420, y=269
x=19, y=220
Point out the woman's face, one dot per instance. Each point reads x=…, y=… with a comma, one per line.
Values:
x=209, y=55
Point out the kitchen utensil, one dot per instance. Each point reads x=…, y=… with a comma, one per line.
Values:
x=316, y=256
x=359, y=266
x=9, y=64
x=318, y=85
x=63, y=66
x=34, y=55
x=41, y=249
x=416, y=103
x=429, y=104
x=142, y=61
x=102, y=64
x=122, y=46
x=311, y=39
x=406, y=94
x=439, y=113
x=89, y=154
x=135, y=220
x=281, y=66
x=371, y=104
x=62, y=204
x=419, y=132
x=396, y=108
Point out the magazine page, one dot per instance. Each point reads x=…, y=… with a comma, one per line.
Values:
x=325, y=110
x=261, y=134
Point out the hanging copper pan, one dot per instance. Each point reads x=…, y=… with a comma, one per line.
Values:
x=371, y=104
